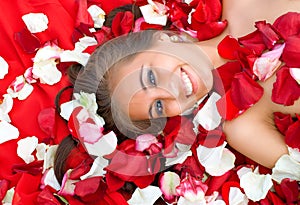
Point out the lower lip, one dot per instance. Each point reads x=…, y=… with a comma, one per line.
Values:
x=193, y=81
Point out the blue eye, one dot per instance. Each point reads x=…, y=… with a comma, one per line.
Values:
x=159, y=107
x=151, y=78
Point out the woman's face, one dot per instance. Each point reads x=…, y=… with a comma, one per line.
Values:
x=157, y=84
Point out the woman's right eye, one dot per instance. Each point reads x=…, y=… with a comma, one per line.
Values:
x=151, y=78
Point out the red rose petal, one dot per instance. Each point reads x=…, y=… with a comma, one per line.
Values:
x=269, y=35
x=46, y=197
x=253, y=41
x=46, y=120
x=122, y=23
x=216, y=182
x=291, y=52
x=282, y=121
x=288, y=24
x=28, y=42
x=226, y=107
x=226, y=189
x=210, y=29
x=227, y=48
x=290, y=190
x=212, y=138
x=292, y=138
x=4, y=185
x=285, y=90
x=90, y=189
x=245, y=91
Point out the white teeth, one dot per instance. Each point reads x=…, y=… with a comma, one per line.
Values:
x=187, y=83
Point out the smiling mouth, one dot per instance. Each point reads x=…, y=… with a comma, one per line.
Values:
x=187, y=83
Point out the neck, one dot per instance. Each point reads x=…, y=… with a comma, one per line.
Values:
x=210, y=48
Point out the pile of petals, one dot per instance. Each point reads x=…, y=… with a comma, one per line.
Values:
x=189, y=162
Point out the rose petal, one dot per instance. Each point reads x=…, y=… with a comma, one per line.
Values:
x=90, y=133
x=28, y=42
x=49, y=157
x=179, y=158
x=267, y=64
x=294, y=153
x=108, y=144
x=253, y=41
x=8, y=199
x=4, y=68
x=285, y=90
x=245, y=92
x=256, y=186
x=286, y=167
x=292, y=138
x=291, y=52
x=152, y=17
x=168, y=183
x=122, y=23
x=50, y=179
x=237, y=197
x=67, y=185
x=295, y=73
x=7, y=132
x=41, y=151
x=270, y=37
x=288, y=24
x=47, y=72
x=208, y=116
x=144, y=141
x=4, y=185
x=146, y=196
x=5, y=107
x=26, y=147
x=36, y=22
x=97, y=168
x=227, y=47
x=98, y=15
x=217, y=161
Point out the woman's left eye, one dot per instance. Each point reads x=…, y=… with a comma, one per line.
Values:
x=151, y=78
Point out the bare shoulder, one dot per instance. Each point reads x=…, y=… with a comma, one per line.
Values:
x=254, y=135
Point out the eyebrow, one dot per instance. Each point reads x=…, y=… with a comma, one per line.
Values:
x=141, y=78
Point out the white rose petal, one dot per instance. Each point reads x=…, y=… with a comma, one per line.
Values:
x=294, y=153
x=3, y=68
x=88, y=101
x=25, y=148
x=236, y=197
x=98, y=15
x=180, y=158
x=7, y=132
x=286, y=167
x=41, y=151
x=9, y=196
x=49, y=157
x=295, y=73
x=255, y=185
x=49, y=178
x=217, y=161
x=67, y=108
x=168, y=183
x=5, y=107
x=97, y=168
x=46, y=53
x=145, y=196
x=74, y=56
x=208, y=116
x=153, y=17
x=36, y=22
x=107, y=143
x=47, y=72
x=24, y=92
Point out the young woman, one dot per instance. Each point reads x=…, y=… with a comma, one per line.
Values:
x=142, y=78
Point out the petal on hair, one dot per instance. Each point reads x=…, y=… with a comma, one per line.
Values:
x=104, y=146
x=50, y=179
x=217, y=161
x=49, y=157
x=26, y=147
x=97, y=14
x=7, y=132
x=97, y=168
x=145, y=196
x=255, y=185
x=4, y=68
x=36, y=22
x=152, y=17
x=67, y=185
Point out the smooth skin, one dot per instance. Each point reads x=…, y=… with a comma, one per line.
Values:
x=156, y=88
